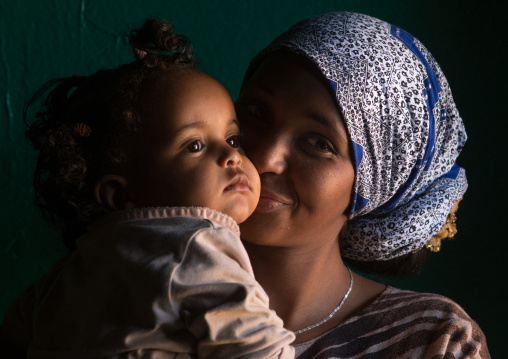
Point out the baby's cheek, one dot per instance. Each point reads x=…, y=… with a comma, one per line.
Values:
x=253, y=176
x=192, y=191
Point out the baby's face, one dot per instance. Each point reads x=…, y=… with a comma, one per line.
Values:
x=191, y=151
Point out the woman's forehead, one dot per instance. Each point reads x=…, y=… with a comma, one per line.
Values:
x=292, y=74
x=286, y=65
x=296, y=94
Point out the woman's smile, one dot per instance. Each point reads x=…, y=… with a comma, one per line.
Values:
x=271, y=201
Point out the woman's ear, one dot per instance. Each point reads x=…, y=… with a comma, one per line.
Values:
x=111, y=192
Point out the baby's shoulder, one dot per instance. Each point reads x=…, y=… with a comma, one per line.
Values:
x=166, y=219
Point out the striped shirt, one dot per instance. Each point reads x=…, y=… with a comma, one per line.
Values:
x=402, y=324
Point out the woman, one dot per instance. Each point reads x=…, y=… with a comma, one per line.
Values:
x=353, y=129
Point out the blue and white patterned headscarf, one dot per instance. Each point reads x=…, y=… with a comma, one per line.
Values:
x=404, y=128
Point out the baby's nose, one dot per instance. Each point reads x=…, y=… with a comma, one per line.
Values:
x=230, y=157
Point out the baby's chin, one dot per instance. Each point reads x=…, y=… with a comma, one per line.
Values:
x=240, y=216
x=241, y=213
x=240, y=208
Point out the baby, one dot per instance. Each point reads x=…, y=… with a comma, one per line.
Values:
x=141, y=167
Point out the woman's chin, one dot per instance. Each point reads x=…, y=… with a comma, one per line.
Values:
x=265, y=229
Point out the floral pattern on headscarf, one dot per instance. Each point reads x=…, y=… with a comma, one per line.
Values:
x=404, y=128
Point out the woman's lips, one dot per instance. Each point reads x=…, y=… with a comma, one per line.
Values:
x=269, y=201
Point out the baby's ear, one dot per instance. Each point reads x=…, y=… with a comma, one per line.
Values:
x=111, y=192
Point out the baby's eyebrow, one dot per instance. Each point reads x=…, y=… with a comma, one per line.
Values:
x=196, y=124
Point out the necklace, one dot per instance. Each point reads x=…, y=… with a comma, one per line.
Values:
x=334, y=311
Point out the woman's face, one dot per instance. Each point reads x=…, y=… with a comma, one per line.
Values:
x=297, y=140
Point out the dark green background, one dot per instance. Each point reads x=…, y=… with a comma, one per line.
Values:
x=45, y=39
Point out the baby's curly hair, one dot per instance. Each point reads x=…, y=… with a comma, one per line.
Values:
x=86, y=124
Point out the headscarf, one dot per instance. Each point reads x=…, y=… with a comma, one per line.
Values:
x=403, y=125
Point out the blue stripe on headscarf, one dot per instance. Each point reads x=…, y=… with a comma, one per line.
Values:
x=431, y=95
x=452, y=173
x=431, y=82
x=333, y=84
x=358, y=201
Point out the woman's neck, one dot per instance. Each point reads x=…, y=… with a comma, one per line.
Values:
x=304, y=285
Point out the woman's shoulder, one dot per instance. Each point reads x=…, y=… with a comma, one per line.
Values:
x=394, y=300
x=402, y=323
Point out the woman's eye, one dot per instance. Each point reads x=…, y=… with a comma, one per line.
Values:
x=234, y=141
x=194, y=146
x=254, y=110
x=320, y=144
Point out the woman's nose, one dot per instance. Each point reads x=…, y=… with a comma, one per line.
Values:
x=229, y=157
x=268, y=154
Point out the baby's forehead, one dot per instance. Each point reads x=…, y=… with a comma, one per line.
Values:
x=170, y=85
x=177, y=76
x=188, y=101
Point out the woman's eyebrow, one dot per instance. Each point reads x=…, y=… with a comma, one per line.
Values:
x=257, y=88
x=335, y=128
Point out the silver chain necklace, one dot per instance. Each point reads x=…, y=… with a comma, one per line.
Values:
x=334, y=311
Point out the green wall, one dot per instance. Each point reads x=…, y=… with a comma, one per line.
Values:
x=45, y=39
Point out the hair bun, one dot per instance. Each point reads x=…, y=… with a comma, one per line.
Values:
x=156, y=37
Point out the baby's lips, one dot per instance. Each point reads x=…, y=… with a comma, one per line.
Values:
x=239, y=182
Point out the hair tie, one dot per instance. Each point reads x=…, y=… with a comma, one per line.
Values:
x=82, y=129
x=138, y=53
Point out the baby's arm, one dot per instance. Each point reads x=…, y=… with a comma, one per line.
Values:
x=215, y=292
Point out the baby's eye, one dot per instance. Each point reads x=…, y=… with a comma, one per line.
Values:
x=234, y=141
x=194, y=146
